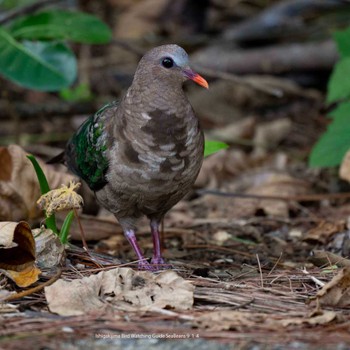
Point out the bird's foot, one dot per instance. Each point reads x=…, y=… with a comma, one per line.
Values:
x=160, y=264
x=144, y=265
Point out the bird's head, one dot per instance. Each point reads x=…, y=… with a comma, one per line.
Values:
x=167, y=64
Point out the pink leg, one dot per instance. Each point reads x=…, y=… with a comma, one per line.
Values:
x=157, y=258
x=143, y=263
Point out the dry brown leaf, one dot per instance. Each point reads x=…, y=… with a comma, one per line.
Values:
x=324, y=231
x=23, y=278
x=17, y=246
x=344, y=170
x=337, y=291
x=123, y=288
x=19, y=187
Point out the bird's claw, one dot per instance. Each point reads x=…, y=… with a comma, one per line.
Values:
x=144, y=265
x=160, y=264
x=155, y=265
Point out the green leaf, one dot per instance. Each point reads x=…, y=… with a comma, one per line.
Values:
x=342, y=38
x=66, y=227
x=81, y=92
x=44, y=188
x=341, y=111
x=335, y=142
x=211, y=147
x=41, y=65
x=339, y=84
x=62, y=25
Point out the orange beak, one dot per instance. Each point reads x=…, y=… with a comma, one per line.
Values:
x=190, y=74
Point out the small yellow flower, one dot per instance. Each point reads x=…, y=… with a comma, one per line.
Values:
x=63, y=198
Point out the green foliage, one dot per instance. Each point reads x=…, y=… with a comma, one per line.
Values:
x=342, y=39
x=33, y=52
x=62, y=25
x=211, y=147
x=44, y=188
x=339, y=85
x=37, y=65
x=335, y=142
x=79, y=93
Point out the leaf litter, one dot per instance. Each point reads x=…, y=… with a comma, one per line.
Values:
x=235, y=276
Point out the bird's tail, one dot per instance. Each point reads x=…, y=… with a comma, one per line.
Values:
x=57, y=159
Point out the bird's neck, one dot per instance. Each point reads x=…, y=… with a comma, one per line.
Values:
x=155, y=96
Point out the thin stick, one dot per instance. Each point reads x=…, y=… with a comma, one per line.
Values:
x=276, y=263
x=85, y=246
x=81, y=230
x=261, y=275
x=35, y=289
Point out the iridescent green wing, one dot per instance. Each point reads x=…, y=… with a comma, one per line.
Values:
x=86, y=153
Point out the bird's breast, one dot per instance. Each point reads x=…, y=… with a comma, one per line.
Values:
x=158, y=152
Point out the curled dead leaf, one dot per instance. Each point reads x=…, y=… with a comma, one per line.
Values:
x=17, y=253
x=123, y=288
x=17, y=246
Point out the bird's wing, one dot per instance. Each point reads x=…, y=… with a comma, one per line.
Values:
x=86, y=152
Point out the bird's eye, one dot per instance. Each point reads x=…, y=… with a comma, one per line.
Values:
x=167, y=62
